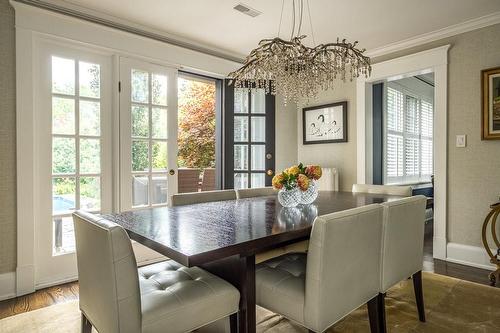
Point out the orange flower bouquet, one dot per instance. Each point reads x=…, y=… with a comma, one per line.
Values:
x=297, y=184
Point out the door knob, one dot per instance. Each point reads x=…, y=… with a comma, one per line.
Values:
x=269, y=156
x=270, y=172
x=172, y=172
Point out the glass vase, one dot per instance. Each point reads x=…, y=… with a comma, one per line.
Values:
x=310, y=194
x=289, y=198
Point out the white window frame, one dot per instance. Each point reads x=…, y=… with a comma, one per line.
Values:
x=404, y=179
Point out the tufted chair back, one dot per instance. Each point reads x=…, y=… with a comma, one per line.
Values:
x=107, y=275
x=343, y=264
x=329, y=181
x=201, y=197
x=405, y=191
x=402, y=240
x=255, y=192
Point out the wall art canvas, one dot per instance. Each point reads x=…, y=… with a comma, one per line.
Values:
x=491, y=104
x=325, y=123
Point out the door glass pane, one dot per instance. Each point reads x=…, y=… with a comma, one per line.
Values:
x=63, y=195
x=240, y=101
x=240, y=157
x=140, y=155
x=140, y=190
x=140, y=121
x=90, y=79
x=64, y=237
x=240, y=180
x=241, y=129
x=159, y=156
x=90, y=118
x=258, y=101
x=63, y=155
x=159, y=123
x=258, y=129
x=159, y=193
x=258, y=157
x=159, y=89
x=90, y=156
x=63, y=76
x=63, y=115
x=90, y=193
x=140, y=86
x=258, y=180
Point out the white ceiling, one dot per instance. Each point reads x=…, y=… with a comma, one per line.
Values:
x=215, y=24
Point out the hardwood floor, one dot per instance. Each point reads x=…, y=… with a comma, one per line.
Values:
x=69, y=291
x=39, y=299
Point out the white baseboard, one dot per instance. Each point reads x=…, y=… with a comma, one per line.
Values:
x=7, y=285
x=51, y=283
x=474, y=256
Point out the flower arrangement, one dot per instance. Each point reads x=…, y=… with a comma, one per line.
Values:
x=297, y=176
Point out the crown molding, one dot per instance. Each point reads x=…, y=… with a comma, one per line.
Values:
x=456, y=29
x=89, y=15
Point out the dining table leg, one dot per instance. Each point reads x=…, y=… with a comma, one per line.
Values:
x=240, y=272
x=247, y=291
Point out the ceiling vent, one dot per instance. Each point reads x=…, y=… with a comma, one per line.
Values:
x=245, y=9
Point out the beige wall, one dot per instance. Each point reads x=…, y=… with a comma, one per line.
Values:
x=339, y=155
x=474, y=171
x=286, y=134
x=7, y=139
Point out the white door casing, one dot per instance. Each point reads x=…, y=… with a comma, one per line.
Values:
x=433, y=60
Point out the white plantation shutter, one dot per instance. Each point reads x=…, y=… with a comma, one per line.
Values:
x=407, y=137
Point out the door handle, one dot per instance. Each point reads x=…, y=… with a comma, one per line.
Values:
x=172, y=172
x=270, y=172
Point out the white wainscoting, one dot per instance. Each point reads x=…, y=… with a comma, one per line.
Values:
x=474, y=256
x=7, y=285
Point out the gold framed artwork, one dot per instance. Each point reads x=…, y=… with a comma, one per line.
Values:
x=491, y=104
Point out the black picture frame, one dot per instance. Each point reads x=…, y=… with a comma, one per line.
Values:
x=305, y=125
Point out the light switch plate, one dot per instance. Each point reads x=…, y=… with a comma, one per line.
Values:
x=461, y=141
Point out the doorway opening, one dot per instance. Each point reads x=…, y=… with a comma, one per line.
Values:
x=403, y=138
x=199, y=124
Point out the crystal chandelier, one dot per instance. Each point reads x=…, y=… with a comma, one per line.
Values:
x=295, y=71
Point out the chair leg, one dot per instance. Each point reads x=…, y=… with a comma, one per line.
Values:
x=381, y=309
x=419, y=295
x=233, y=323
x=374, y=315
x=86, y=325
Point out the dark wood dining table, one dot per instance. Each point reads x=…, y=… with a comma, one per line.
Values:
x=224, y=236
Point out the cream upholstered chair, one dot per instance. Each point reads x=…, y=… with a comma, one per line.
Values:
x=255, y=192
x=405, y=191
x=329, y=180
x=335, y=277
x=200, y=197
x=403, y=246
x=116, y=297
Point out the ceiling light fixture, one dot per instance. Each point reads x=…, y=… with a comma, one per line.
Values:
x=295, y=71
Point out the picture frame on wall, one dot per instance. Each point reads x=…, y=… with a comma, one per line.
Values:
x=324, y=123
x=490, y=104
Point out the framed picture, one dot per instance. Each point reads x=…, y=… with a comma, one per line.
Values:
x=491, y=104
x=324, y=123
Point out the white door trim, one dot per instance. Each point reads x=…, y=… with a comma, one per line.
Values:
x=434, y=60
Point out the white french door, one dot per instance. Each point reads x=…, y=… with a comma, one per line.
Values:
x=148, y=139
x=148, y=134
x=73, y=123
